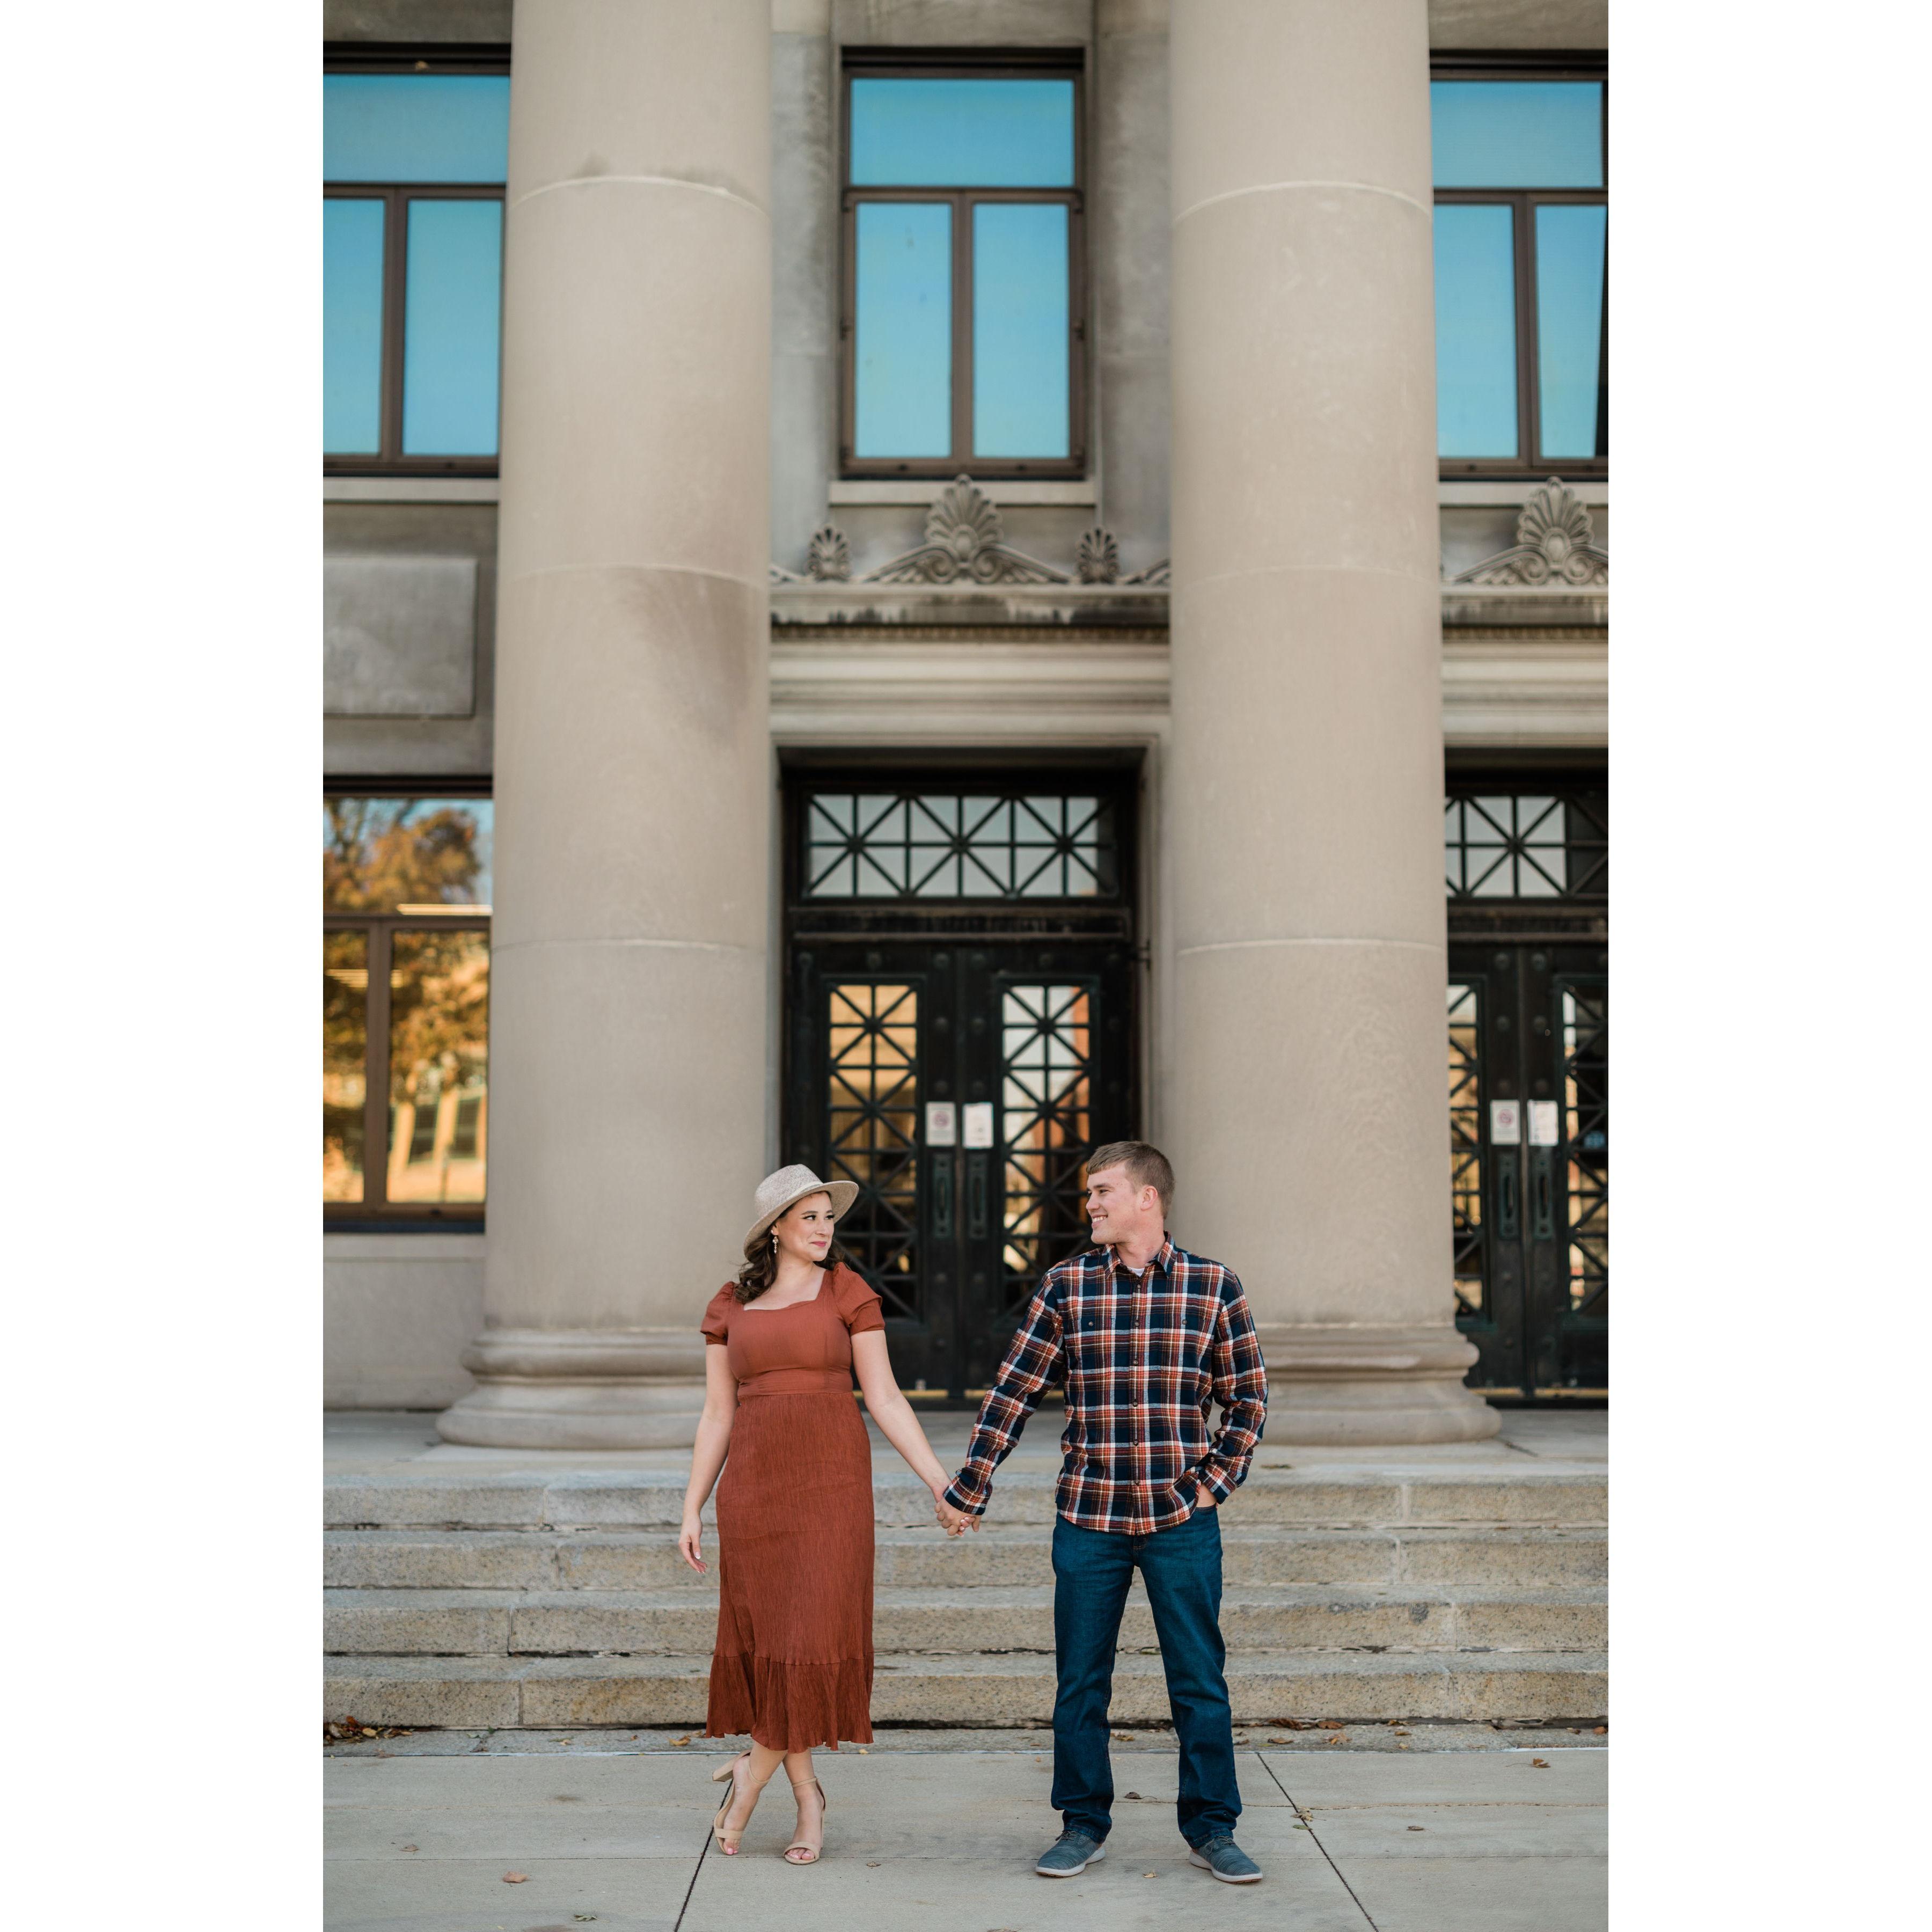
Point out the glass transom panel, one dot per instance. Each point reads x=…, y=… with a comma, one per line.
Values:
x=962, y=133
x=415, y=127
x=928, y=845
x=1517, y=134
x=1508, y=847
x=384, y=855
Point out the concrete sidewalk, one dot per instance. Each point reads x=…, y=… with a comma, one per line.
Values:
x=1500, y=1839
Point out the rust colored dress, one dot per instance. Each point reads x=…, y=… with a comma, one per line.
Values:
x=792, y=1664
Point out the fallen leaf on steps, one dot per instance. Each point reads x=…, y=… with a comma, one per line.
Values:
x=1540, y=1763
x=516, y=1878
x=408, y=1848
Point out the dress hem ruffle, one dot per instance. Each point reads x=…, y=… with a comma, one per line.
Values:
x=790, y=1706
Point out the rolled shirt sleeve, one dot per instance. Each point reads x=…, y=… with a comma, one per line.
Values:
x=1034, y=1361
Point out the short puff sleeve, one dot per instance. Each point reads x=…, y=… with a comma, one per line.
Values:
x=716, y=1326
x=858, y=1305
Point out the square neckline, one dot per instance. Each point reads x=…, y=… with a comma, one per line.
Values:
x=785, y=1307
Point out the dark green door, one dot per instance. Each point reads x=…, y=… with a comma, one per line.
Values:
x=1529, y=1121
x=960, y=1086
x=960, y=1032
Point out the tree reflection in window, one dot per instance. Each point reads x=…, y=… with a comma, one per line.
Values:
x=439, y=1061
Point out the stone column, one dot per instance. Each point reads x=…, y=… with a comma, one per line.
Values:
x=1308, y=1108
x=627, y=1023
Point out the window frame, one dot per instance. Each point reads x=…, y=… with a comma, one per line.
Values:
x=376, y=1205
x=1047, y=64
x=375, y=1212
x=1522, y=202
x=388, y=460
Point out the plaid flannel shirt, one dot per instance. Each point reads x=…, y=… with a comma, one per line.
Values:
x=1141, y=1359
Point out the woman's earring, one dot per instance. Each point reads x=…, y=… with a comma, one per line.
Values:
x=775, y=1240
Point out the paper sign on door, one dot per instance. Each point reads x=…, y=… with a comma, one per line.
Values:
x=941, y=1124
x=1506, y=1124
x=1543, y=1124
x=978, y=1123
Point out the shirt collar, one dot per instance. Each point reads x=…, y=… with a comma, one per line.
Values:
x=1162, y=1258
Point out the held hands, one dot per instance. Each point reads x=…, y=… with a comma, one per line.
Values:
x=690, y=1541
x=952, y=1521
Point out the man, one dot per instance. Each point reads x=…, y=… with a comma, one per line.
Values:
x=1143, y=1335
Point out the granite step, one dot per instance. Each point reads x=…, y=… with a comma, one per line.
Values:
x=1277, y=1495
x=426, y=1557
x=957, y=1621
x=1565, y=1687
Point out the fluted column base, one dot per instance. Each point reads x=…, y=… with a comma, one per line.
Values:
x=1341, y=1386
x=579, y=1388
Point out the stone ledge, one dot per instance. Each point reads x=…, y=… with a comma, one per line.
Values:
x=1564, y=1686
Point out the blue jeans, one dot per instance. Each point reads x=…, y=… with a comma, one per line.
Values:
x=1182, y=1567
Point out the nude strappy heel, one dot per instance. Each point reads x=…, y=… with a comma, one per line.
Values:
x=728, y=1772
x=799, y=1844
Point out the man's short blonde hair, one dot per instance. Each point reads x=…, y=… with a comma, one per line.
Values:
x=1147, y=1167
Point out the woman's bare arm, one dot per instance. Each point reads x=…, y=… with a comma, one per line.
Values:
x=888, y=1407
x=707, y=1454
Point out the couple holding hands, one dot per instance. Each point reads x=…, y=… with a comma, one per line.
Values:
x=1142, y=1335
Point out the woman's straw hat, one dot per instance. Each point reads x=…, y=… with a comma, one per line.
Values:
x=778, y=1192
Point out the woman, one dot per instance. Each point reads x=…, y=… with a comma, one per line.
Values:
x=792, y=1665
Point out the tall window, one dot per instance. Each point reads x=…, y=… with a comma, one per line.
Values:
x=405, y=1007
x=1522, y=374
x=412, y=263
x=964, y=316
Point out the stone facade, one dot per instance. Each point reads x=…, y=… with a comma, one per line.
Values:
x=1260, y=591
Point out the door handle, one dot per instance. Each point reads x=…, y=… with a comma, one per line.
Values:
x=1506, y=1215
x=942, y=1196
x=1542, y=1208
x=976, y=1197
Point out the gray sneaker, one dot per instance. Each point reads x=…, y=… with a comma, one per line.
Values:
x=1225, y=1860
x=1072, y=1852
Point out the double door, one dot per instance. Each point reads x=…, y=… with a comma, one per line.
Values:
x=960, y=1084
x=1529, y=1130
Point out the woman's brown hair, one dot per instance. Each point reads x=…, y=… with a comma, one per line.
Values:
x=761, y=1266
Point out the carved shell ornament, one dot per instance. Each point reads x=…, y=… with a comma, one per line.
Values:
x=828, y=559
x=1556, y=543
x=965, y=542
x=965, y=538
x=1097, y=559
